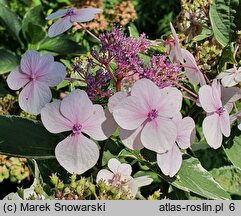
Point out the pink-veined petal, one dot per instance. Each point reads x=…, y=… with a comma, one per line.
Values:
x=212, y=131
x=193, y=73
x=159, y=135
x=84, y=14
x=147, y=92
x=104, y=175
x=43, y=64
x=55, y=73
x=224, y=120
x=53, y=120
x=229, y=81
x=230, y=94
x=93, y=125
x=113, y=165
x=130, y=113
x=116, y=99
x=175, y=52
x=77, y=154
x=124, y=169
x=132, y=138
x=225, y=73
x=76, y=106
x=166, y=101
x=143, y=181
x=137, y=182
x=60, y=27
x=216, y=93
x=171, y=102
x=170, y=162
x=58, y=14
x=29, y=61
x=109, y=126
x=238, y=75
x=34, y=96
x=206, y=98
x=17, y=79
x=185, y=128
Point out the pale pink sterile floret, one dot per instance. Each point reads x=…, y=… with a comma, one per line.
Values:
x=191, y=69
x=236, y=117
x=174, y=49
x=36, y=74
x=229, y=96
x=183, y=56
x=120, y=177
x=230, y=77
x=170, y=161
x=76, y=113
x=217, y=122
x=69, y=17
x=147, y=113
x=130, y=138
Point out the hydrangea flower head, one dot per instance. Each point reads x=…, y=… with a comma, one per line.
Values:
x=146, y=115
x=36, y=74
x=120, y=177
x=76, y=113
x=217, y=122
x=69, y=16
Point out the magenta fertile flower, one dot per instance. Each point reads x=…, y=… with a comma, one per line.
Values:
x=35, y=73
x=217, y=122
x=76, y=113
x=170, y=161
x=147, y=114
x=69, y=16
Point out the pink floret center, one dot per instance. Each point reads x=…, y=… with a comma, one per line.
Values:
x=76, y=129
x=220, y=110
x=32, y=77
x=69, y=12
x=152, y=114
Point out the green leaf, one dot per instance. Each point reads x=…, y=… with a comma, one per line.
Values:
x=133, y=31
x=203, y=35
x=193, y=177
x=36, y=33
x=232, y=147
x=8, y=61
x=10, y=21
x=110, y=149
x=227, y=56
x=222, y=15
x=47, y=167
x=22, y=137
x=33, y=23
x=229, y=177
x=61, y=45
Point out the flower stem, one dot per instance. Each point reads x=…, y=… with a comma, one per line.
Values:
x=74, y=79
x=187, y=90
x=189, y=98
x=79, y=25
